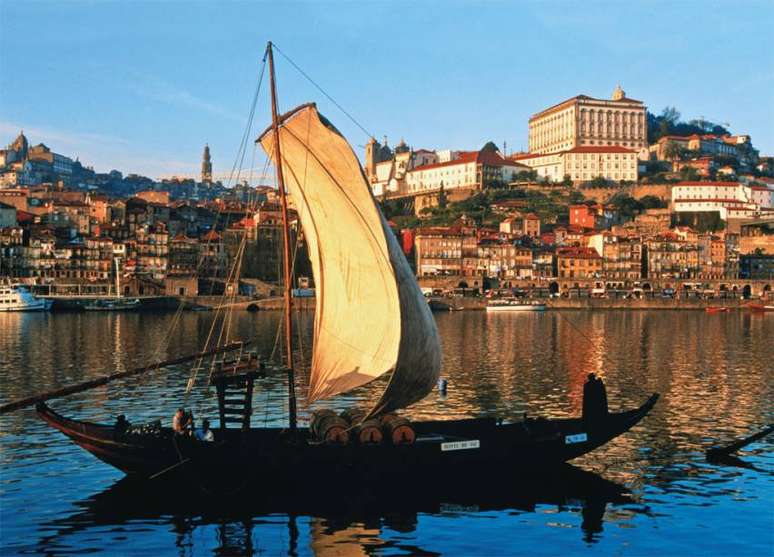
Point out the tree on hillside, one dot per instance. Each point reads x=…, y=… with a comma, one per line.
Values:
x=442, y=198
x=598, y=182
x=652, y=202
x=490, y=146
x=672, y=150
x=626, y=205
x=567, y=181
x=668, y=123
x=689, y=174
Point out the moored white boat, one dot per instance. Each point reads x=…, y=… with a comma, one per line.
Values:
x=19, y=298
x=513, y=304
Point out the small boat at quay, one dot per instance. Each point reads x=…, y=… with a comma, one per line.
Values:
x=717, y=309
x=371, y=320
x=112, y=304
x=759, y=307
x=19, y=298
x=514, y=304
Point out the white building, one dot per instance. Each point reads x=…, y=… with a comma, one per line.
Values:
x=729, y=199
x=586, y=121
x=468, y=169
x=583, y=164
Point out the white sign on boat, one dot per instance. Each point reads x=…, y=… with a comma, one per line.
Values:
x=461, y=445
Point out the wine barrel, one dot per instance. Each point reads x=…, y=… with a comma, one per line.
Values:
x=398, y=430
x=369, y=432
x=353, y=416
x=327, y=427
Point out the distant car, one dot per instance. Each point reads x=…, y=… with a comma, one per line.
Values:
x=668, y=293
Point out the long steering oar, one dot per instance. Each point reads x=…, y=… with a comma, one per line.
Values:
x=104, y=379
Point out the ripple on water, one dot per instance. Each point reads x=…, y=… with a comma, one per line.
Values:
x=714, y=374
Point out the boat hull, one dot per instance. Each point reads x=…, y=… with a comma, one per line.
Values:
x=447, y=448
x=526, y=307
x=39, y=305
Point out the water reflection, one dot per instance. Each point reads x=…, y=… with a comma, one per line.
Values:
x=342, y=522
x=714, y=373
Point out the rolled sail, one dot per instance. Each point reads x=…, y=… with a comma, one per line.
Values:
x=371, y=317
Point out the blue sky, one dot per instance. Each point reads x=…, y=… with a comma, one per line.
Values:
x=141, y=87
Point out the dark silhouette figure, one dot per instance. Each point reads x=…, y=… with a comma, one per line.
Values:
x=594, y=401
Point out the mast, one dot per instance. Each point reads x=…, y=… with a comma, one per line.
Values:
x=285, y=244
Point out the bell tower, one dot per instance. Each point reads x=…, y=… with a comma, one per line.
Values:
x=206, y=166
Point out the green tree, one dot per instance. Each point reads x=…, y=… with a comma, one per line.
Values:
x=567, y=181
x=670, y=115
x=490, y=146
x=689, y=174
x=672, y=150
x=442, y=198
x=652, y=202
x=598, y=182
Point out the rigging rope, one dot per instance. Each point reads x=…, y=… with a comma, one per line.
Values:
x=313, y=82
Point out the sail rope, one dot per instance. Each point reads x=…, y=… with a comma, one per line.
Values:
x=319, y=88
x=224, y=310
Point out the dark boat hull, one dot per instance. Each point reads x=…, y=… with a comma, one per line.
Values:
x=442, y=447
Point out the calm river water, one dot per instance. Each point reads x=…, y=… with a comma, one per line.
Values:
x=651, y=491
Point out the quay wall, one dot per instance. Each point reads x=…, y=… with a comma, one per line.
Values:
x=473, y=304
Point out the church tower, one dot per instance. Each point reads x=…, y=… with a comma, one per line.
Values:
x=371, y=157
x=206, y=166
x=619, y=94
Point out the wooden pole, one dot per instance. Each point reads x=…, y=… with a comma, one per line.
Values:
x=104, y=379
x=285, y=245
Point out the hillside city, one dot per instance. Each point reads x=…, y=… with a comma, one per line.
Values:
x=609, y=195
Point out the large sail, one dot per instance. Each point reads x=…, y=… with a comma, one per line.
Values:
x=370, y=315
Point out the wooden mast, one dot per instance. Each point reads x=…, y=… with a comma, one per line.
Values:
x=285, y=245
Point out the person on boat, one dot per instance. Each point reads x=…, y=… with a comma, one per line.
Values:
x=189, y=427
x=121, y=427
x=594, y=400
x=204, y=433
x=178, y=421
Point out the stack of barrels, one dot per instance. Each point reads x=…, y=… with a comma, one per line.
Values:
x=328, y=427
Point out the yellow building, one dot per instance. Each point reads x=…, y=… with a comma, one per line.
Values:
x=584, y=121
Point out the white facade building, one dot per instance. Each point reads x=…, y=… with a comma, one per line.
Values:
x=586, y=121
x=729, y=199
x=583, y=164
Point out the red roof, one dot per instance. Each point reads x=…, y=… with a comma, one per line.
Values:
x=579, y=253
x=581, y=149
x=673, y=137
x=246, y=222
x=211, y=236
x=489, y=158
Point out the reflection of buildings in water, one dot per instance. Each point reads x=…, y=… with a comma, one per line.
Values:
x=330, y=537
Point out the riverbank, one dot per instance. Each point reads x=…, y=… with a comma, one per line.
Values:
x=479, y=304
x=438, y=303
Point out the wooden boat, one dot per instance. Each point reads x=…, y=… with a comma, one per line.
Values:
x=441, y=449
x=760, y=307
x=717, y=309
x=514, y=304
x=371, y=319
x=113, y=304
